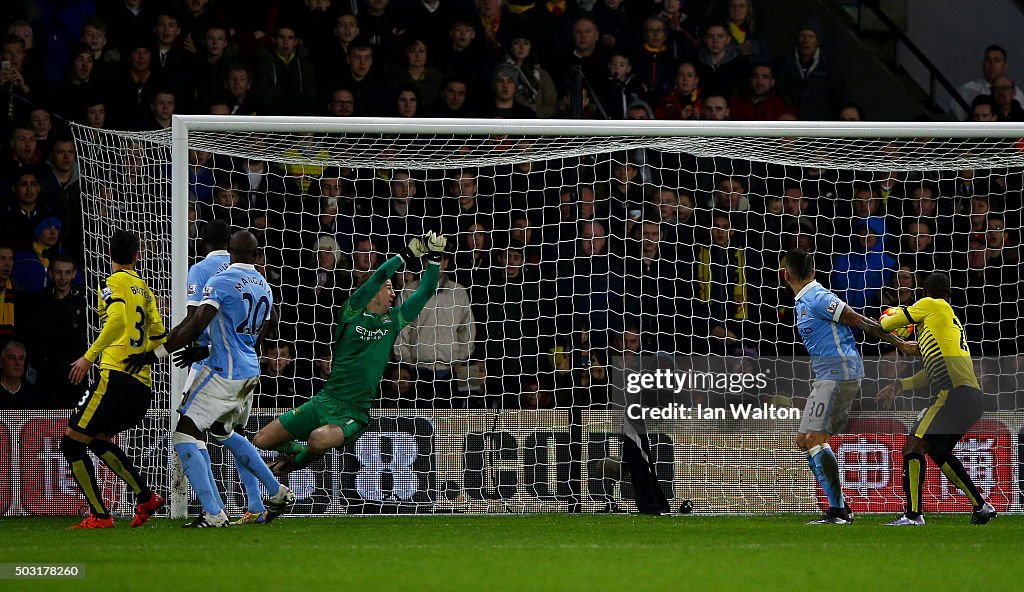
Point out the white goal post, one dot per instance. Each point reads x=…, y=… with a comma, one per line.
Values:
x=500, y=458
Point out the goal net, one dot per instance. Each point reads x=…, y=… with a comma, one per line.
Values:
x=578, y=250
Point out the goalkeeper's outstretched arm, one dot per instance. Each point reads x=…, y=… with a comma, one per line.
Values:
x=365, y=293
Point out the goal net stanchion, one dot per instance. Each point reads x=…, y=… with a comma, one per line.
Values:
x=577, y=242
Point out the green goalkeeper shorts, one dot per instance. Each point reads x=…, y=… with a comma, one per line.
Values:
x=319, y=411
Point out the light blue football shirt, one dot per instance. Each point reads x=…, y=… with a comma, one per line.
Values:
x=832, y=347
x=243, y=301
x=200, y=273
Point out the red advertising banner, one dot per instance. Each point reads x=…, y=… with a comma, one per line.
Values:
x=47, y=486
x=870, y=457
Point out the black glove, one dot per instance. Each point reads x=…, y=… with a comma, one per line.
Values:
x=186, y=356
x=135, y=362
x=414, y=250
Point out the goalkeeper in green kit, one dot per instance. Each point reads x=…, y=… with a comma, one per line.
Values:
x=366, y=333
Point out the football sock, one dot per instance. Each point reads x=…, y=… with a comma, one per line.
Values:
x=251, y=470
x=198, y=472
x=826, y=470
x=82, y=470
x=954, y=470
x=913, y=480
x=118, y=461
x=301, y=453
x=205, y=452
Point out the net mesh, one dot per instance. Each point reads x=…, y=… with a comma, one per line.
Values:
x=565, y=251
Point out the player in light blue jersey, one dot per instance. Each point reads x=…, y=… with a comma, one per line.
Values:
x=824, y=322
x=216, y=236
x=236, y=308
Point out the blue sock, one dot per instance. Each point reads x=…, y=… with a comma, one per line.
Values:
x=826, y=470
x=248, y=458
x=209, y=469
x=198, y=471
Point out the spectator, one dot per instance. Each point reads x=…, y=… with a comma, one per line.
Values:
x=285, y=80
x=621, y=87
x=919, y=246
x=15, y=390
x=1008, y=108
x=590, y=284
x=133, y=89
x=397, y=388
x=228, y=204
x=424, y=79
x=26, y=212
x=586, y=52
x=61, y=186
x=465, y=57
x=18, y=90
x=161, y=108
x=342, y=103
x=851, y=112
x=31, y=265
x=505, y=88
x=902, y=290
x=654, y=62
x=758, y=101
x=406, y=102
x=683, y=30
x=453, y=101
x=993, y=65
x=492, y=27
x=9, y=297
x=686, y=99
x=654, y=292
x=805, y=79
x=465, y=206
x=724, y=288
x=24, y=151
x=380, y=25
x=743, y=31
x=172, y=65
x=346, y=31
x=240, y=96
x=95, y=112
x=69, y=96
x=106, y=57
x=983, y=109
x=364, y=79
x=57, y=316
x=858, y=277
x=535, y=88
x=212, y=64
x=720, y=64
x=277, y=377
x=676, y=212
x=616, y=23
x=439, y=339
x=42, y=124
x=716, y=108
x=512, y=325
x=522, y=235
x=323, y=360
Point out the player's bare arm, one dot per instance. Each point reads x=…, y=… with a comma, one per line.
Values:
x=852, y=318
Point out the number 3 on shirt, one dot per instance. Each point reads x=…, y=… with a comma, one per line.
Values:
x=256, y=312
x=140, y=326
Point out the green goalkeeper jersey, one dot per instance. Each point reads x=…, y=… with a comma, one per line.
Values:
x=363, y=340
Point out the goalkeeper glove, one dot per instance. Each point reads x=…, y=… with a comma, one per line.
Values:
x=185, y=357
x=435, y=246
x=414, y=250
x=134, y=363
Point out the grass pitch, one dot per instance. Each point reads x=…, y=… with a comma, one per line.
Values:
x=525, y=553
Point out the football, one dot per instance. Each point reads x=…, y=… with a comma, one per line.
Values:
x=901, y=332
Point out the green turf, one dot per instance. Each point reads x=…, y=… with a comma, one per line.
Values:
x=526, y=553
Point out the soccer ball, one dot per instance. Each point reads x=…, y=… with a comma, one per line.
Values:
x=901, y=332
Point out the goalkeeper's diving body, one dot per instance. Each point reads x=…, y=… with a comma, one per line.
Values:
x=824, y=322
x=949, y=371
x=367, y=328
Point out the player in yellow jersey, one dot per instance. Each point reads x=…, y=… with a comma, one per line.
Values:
x=131, y=324
x=957, y=405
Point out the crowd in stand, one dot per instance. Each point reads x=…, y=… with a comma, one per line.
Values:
x=559, y=265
